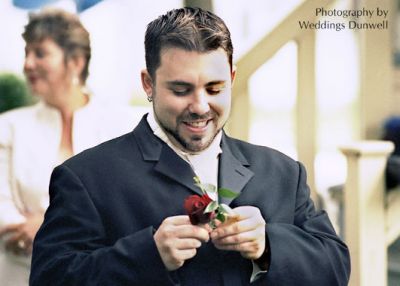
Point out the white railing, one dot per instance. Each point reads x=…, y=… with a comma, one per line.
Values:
x=371, y=216
x=286, y=31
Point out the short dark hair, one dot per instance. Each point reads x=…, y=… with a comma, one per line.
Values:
x=191, y=29
x=65, y=30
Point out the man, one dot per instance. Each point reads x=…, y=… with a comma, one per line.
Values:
x=116, y=213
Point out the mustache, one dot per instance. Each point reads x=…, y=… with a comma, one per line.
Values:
x=190, y=116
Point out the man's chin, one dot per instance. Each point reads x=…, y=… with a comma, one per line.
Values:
x=195, y=149
x=196, y=146
x=193, y=143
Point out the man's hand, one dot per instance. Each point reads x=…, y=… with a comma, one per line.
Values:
x=244, y=233
x=177, y=240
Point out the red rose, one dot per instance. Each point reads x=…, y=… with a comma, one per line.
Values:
x=195, y=206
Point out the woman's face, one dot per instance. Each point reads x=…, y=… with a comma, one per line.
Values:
x=46, y=69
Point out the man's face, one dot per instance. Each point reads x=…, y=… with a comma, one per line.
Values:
x=191, y=96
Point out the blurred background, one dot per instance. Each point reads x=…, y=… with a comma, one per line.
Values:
x=305, y=92
x=117, y=31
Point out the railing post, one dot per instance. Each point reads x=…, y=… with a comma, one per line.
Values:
x=306, y=112
x=364, y=195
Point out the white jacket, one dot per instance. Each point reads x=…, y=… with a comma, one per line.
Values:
x=29, y=143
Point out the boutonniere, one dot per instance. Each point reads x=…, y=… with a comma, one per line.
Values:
x=202, y=209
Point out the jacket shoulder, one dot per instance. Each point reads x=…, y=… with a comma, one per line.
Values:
x=253, y=152
x=21, y=118
x=19, y=113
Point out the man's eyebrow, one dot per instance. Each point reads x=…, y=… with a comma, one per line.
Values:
x=216, y=82
x=187, y=84
x=178, y=83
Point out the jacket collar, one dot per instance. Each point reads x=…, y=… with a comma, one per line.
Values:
x=233, y=171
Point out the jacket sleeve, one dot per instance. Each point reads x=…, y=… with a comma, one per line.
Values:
x=9, y=213
x=71, y=247
x=307, y=252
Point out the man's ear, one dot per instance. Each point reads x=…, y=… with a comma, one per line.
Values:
x=233, y=74
x=147, y=83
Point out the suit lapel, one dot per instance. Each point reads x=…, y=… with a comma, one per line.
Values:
x=233, y=171
x=174, y=167
x=167, y=162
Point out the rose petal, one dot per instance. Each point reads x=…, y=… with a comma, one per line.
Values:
x=195, y=206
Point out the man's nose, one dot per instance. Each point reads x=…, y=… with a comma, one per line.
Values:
x=199, y=104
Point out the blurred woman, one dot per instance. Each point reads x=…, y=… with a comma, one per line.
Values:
x=33, y=140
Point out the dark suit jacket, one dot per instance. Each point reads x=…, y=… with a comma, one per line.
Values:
x=107, y=202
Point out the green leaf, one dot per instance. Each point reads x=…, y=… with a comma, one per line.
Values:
x=211, y=207
x=220, y=216
x=226, y=193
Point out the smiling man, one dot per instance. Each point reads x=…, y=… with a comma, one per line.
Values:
x=116, y=214
x=192, y=96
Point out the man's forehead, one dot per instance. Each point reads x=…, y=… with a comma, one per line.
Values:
x=182, y=65
x=180, y=53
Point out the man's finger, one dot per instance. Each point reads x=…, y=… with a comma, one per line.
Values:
x=187, y=243
x=245, y=212
x=192, y=231
x=187, y=254
x=178, y=220
x=250, y=249
x=238, y=238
